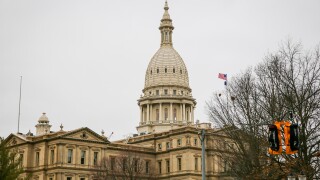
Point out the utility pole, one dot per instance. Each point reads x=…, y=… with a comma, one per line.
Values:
x=19, y=105
x=203, y=169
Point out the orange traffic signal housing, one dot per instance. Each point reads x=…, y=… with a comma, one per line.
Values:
x=275, y=138
x=291, y=138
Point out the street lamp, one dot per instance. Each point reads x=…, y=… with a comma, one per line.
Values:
x=291, y=177
x=301, y=176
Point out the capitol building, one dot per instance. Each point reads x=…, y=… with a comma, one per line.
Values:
x=166, y=146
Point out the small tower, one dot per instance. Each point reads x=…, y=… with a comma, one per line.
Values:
x=43, y=126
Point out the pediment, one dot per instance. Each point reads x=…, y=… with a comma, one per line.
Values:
x=14, y=139
x=85, y=134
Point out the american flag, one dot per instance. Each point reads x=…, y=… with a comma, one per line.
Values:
x=222, y=76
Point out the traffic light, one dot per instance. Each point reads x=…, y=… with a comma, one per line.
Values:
x=275, y=138
x=291, y=133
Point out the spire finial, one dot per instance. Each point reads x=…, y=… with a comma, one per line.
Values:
x=166, y=27
x=166, y=7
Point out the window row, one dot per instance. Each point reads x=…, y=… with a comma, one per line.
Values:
x=166, y=70
x=70, y=157
x=166, y=92
x=178, y=144
x=82, y=159
x=167, y=165
x=127, y=165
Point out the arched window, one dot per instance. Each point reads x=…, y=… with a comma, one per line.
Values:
x=158, y=70
x=180, y=71
x=175, y=114
x=174, y=70
x=165, y=70
x=157, y=114
x=151, y=72
x=187, y=115
x=166, y=114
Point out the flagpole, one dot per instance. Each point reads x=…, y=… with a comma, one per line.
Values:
x=19, y=104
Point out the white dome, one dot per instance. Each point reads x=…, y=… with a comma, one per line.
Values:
x=166, y=68
x=43, y=118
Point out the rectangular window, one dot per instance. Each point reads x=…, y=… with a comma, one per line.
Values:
x=50, y=178
x=196, y=164
x=52, y=156
x=166, y=91
x=195, y=142
x=124, y=164
x=21, y=160
x=69, y=178
x=82, y=178
x=112, y=163
x=159, y=146
x=159, y=166
x=70, y=153
x=168, y=165
x=179, y=142
x=147, y=167
x=174, y=92
x=83, y=157
x=168, y=145
x=37, y=158
x=136, y=165
x=157, y=92
x=95, y=158
x=179, y=164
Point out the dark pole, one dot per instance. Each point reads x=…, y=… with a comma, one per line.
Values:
x=19, y=104
x=203, y=169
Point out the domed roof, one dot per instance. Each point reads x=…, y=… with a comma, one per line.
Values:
x=43, y=118
x=166, y=68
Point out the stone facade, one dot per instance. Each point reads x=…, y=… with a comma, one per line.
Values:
x=167, y=145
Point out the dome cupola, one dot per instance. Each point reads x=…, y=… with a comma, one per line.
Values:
x=167, y=101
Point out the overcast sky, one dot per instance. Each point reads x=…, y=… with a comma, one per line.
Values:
x=83, y=62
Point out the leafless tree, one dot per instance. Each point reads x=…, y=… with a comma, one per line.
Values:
x=125, y=166
x=288, y=79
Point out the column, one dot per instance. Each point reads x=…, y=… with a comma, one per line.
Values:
x=89, y=157
x=181, y=112
x=184, y=112
x=192, y=114
x=160, y=113
x=189, y=115
x=150, y=119
x=147, y=113
x=171, y=116
x=141, y=114
x=143, y=117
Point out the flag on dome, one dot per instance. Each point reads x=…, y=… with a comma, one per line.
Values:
x=222, y=76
